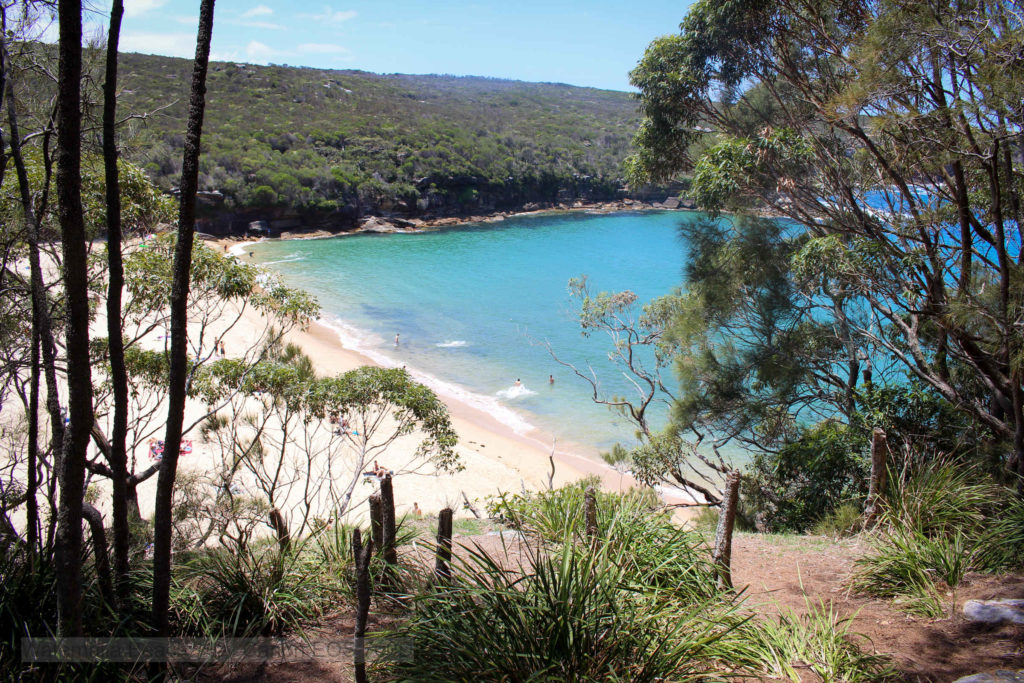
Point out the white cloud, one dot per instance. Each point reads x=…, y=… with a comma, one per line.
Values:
x=257, y=52
x=258, y=11
x=135, y=8
x=258, y=24
x=322, y=49
x=168, y=44
x=331, y=16
x=187, y=20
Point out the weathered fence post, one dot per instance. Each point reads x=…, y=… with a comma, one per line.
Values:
x=284, y=538
x=590, y=510
x=376, y=522
x=722, y=554
x=362, y=559
x=442, y=570
x=879, y=468
x=387, y=501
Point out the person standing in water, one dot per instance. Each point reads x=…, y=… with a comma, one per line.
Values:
x=518, y=383
x=551, y=379
x=396, y=340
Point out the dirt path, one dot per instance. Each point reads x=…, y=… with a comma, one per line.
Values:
x=792, y=571
x=780, y=572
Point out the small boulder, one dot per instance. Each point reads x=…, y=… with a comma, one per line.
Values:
x=995, y=611
x=671, y=203
x=1001, y=676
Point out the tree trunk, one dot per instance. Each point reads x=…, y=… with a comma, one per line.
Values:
x=442, y=570
x=590, y=511
x=362, y=559
x=118, y=457
x=387, y=500
x=178, y=371
x=722, y=555
x=99, y=546
x=76, y=295
x=879, y=469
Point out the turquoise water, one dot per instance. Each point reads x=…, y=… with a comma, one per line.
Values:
x=474, y=305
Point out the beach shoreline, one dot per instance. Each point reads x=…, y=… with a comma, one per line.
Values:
x=491, y=443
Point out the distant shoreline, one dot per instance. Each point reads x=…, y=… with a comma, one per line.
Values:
x=385, y=224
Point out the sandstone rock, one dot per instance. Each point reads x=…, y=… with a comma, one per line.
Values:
x=1001, y=676
x=995, y=611
x=671, y=203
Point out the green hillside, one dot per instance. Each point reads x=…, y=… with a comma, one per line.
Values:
x=347, y=143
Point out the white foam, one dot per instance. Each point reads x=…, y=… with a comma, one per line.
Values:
x=516, y=391
x=455, y=344
x=240, y=248
x=288, y=259
x=368, y=344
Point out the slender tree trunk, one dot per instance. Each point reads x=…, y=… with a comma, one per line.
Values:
x=442, y=560
x=99, y=544
x=79, y=377
x=722, y=554
x=178, y=371
x=31, y=502
x=590, y=511
x=40, y=304
x=115, y=338
x=879, y=469
x=362, y=555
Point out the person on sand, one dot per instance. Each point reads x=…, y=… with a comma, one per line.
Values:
x=223, y=353
x=416, y=512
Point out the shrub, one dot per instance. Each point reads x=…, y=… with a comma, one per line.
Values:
x=573, y=614
x=806, y=480
x=943, y=520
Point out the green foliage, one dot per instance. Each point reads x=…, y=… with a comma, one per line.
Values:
x=252, y=589
x=818, y=638
x=943, y=520
x=558, y=514
x=572, y=615
x=324, y=141
x=808, y=478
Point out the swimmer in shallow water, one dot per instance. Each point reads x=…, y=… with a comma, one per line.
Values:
x=551, y=379
x=396, y=339
x=518, y=383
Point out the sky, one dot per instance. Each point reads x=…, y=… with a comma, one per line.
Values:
x=589, y=43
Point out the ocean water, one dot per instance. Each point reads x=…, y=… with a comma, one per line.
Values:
x=475, y=307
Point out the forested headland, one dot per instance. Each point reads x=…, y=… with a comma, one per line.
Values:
x=331, y=146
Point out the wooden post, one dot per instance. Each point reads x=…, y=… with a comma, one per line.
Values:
x=284, y=538
x=442, y=570
x=362, y=559
x=387, y=501
x=376, y=523
x=590, y=510
x=722, y=554
x=879, y=469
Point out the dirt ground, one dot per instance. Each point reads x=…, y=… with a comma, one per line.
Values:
x=788, y=572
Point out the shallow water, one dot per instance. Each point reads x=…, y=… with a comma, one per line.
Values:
x=474, y=306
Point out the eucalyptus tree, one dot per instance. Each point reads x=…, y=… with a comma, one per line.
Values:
x=890, y=133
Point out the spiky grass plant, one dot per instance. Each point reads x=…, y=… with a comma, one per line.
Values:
x=252, y=589
x=942, y=521
x=571, y=614
x=819, y=640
